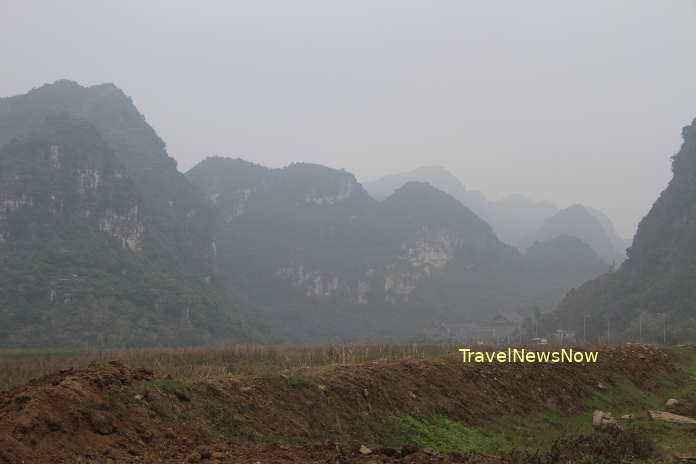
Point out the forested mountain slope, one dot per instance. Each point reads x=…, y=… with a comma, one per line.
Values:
x=329, y=262
x=105, y=243
x=654, y=288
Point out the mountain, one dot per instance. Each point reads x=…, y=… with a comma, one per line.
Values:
x=578, y=221
x=516, y=219
x=515, y=216
x=434, y=175
x=548, y=262
x=512, y=218
x=328, y=262
x=75, y=265
x=619, y=243
x=653, y=290
x=104, y=242
x=171, y=205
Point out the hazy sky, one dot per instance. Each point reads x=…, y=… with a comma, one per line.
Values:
x=569, y=101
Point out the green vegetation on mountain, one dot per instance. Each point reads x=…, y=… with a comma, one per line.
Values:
x=97, y=246
x=104, y=243
x=329, y=263
x=172, y=208
x=652, y=294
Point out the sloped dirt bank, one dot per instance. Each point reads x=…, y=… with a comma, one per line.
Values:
x=111, y=413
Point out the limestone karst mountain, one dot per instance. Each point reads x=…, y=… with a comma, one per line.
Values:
x=652, y=293
x=171, y=206
x=512, y=217
x=78, y=265
x=105, y=242
x=516, y=219
x=578, y=221
x=620, y=243
x=343, y=265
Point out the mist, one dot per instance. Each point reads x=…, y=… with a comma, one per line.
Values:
x=571, y=102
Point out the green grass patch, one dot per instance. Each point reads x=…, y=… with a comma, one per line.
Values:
x=624, y=397
x=227, y=422
x=437, y=432
x=540, y=431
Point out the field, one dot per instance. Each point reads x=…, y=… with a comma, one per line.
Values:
x=341, y=404
x=209, y=363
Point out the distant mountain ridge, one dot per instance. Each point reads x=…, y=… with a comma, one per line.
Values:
x=619, y=243
x=516, y=219
x=435, y=175
x=366, y=269
x=578, y=221
x=104, y=243
x=512, y=217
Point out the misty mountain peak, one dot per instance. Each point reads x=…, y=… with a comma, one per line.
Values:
x=577, y=221
x=423, y=193
x=575, y=210
x=216, y=175
x=433, y=174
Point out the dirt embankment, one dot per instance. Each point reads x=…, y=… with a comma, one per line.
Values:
x=111, y=413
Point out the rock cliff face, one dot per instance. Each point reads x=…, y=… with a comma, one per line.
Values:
x=174, y=211
x=328, y=262
x=655, y=284
x=63, y=178
x=102, y=241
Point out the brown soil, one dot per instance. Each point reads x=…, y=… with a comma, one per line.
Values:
x=111, y=413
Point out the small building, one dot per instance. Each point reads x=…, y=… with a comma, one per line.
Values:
x=505, y=325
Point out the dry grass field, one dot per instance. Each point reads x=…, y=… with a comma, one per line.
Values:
x=208, y=363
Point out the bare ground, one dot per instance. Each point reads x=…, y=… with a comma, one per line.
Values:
x=111, y=413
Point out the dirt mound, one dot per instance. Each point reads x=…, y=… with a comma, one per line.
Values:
x=109, y=413
x=71, y=413
x=349, y=401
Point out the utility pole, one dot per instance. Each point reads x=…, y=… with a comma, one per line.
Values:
x=640, y=327
x=608, y=329
x=664, y=328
